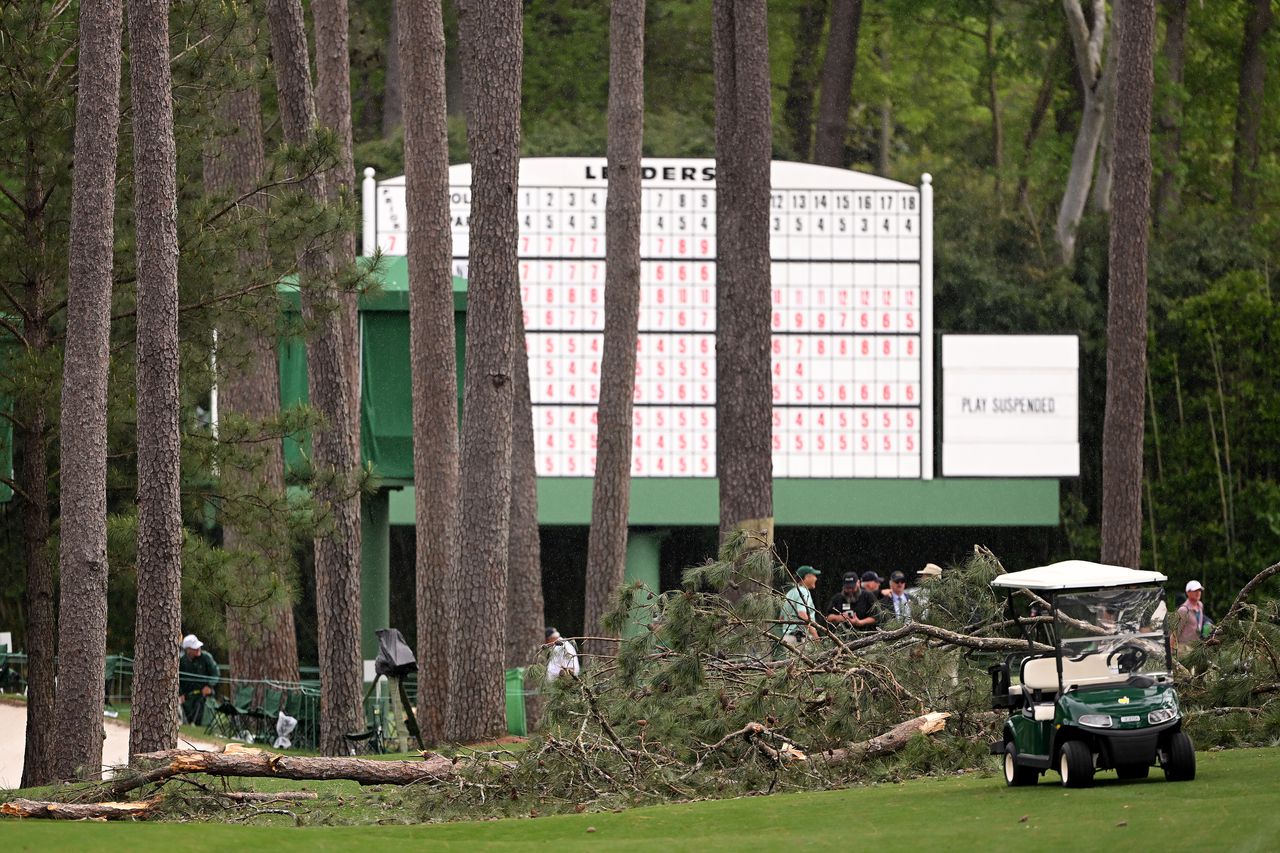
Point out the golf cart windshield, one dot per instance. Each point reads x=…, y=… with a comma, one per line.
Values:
x=1126, y=624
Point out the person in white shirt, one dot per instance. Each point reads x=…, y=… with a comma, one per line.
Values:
x=898, y=601
x=564, y=657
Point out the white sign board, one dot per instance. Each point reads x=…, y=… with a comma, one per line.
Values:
x=851, y=320
x=1010, y=406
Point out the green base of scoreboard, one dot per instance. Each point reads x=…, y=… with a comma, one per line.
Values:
x=833, y=503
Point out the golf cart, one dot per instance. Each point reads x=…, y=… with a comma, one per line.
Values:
x=1093, y=691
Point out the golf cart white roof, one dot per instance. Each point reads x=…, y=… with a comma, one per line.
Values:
x=1076, y=574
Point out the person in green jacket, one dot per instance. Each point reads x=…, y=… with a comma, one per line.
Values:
x=197, y=675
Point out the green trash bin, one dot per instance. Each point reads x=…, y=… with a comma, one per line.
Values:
x=515, y=702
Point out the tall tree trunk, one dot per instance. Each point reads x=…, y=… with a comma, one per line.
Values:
x=433, y=357
x=82, y=616
x=1101, y=194
x=837, y=82
x=1253, y=77
x=336, y=465
x=1087, y=37
x=745, y=408
x=492, y=45
x=797, y=109
x=1124, y=424
x=525, y=618
x=1169, y=120
x=154, y=722
x=261, y=639
x=611, y=489
x=392, y=97
x=33, y=481
x=333, y=110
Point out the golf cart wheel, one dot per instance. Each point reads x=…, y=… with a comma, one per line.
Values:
x=1076, y=765
x=1133, y=771
x=1180, y=759
x=1014, y=775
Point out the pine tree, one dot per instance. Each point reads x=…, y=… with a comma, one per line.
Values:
x=432, y=355
x=491, y=43
x=743, y=146
x=611, y=490
x=1125, y=424
x=336, y=466
x=154, y=723
x=82, y=617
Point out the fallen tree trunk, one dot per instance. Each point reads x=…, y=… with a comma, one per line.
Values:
x=891, y=741
x=80, y=811
x=259, y=763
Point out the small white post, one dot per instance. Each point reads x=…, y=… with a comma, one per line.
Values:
x=369, y=210
x=926, y=326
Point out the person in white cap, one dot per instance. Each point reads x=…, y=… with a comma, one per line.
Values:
x=1192, y=621
x=197, y=674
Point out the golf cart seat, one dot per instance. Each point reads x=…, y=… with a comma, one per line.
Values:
x=1041, y=673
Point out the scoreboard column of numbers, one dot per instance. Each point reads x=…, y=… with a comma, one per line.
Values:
x=849, y=316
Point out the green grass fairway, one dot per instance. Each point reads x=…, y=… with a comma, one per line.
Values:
x=1234, y=804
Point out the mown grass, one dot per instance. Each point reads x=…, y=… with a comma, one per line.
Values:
x=1232, y=805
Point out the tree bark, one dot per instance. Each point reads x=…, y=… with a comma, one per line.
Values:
x=154, y=723
x=1169, y=121
x=611, y=489
x=257, y=763
x=1124, y=423
x=744, y=462
x=525, y=617
x=1039, y=110
x=797, y=109
x=433, y=357
x=392, y=97
x=80, y=811
x=262, y=640
x=333, y=110
x=492, y=43
x=1253, y=77
x=82, y=618
x=33, y=481
x=337, y=551
x=1087, y=38
x=837, y=79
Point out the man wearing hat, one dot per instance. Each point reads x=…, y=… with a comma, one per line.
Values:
x=1192, y=623
x=564, y=656
x=197, y=674
x=869, y=607
x=898, y=602
x=798, y=613
x=842, y=610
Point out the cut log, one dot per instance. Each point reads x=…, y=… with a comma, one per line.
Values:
x=80, y=811
x=260, y=763
x=891, y=741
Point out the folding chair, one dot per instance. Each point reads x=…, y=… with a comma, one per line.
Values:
x=234, y=718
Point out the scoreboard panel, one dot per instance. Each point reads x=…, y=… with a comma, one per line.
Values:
x=850, y=313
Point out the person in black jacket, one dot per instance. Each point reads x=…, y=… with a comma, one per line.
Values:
x=843, y=608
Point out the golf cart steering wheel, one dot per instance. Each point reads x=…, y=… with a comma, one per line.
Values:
x=1129, y=657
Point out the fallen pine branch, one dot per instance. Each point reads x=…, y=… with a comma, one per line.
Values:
x=267, y=797
x=891, y=741
x=80, y=811
x=257, y=763
x=1236, y=606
